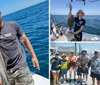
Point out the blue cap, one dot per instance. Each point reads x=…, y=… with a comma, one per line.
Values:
x=96, y=52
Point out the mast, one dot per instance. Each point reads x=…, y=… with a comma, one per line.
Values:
x=80, y=49
x=75, y=49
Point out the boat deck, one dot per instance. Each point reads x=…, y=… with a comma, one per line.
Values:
x=89, y=82
x=86, y=37
x=39, y=80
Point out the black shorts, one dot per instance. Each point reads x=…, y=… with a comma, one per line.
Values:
x=79, y=38
x=94, y=75
x=79, y=71
x=85, y=71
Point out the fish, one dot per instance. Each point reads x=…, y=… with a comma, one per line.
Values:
x=3, y=71
x=70, y=20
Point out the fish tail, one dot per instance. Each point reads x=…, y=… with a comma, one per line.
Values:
x=70, y=6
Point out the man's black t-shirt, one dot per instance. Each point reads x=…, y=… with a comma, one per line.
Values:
x=78, y=24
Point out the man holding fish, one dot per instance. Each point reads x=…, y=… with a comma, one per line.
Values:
x=79, y=24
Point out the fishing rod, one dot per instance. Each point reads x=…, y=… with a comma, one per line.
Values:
x=85, y=1
x=52, y=18
x=93, y=0
x=80, y=0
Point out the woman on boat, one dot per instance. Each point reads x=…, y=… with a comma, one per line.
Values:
x=79, y=23
x=55, y=68
x=79, y=26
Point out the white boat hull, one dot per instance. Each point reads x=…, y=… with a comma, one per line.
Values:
x=39, y=80
x=86, y=37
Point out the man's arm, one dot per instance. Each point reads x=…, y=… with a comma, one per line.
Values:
x=28, y=45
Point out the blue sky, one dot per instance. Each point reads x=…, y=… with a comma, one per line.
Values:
x=59, y=7
x=9, y=6
x=90, y=47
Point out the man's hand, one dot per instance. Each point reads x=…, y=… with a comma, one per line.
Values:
x=35, y=63
x=53, y=61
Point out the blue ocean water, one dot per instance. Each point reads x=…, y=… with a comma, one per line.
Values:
x=34, y=22
x=92, y=23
